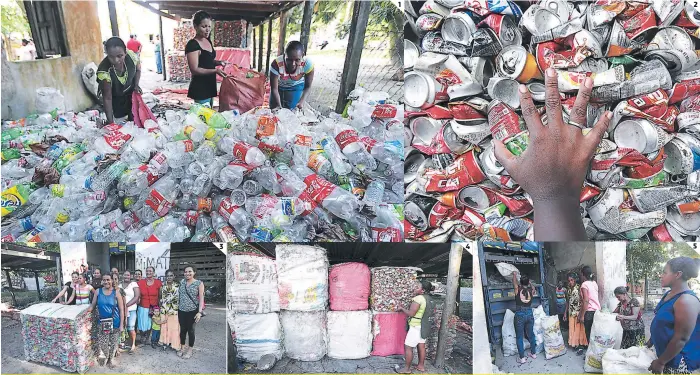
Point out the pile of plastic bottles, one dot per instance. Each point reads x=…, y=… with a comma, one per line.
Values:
x=201, y=176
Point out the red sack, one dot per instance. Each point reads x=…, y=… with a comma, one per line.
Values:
x=348, y=287
x=389, y=333
x=140, y=110
x=243, y=89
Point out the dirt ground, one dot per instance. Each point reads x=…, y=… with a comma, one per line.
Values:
x=209, y=355
x=569, y=363
x=370, y=365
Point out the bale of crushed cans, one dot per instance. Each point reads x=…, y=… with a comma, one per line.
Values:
x=252, y=284
x=302, y=277
x=392, y=288
x=178, y=70
x=58, y=335
x=230, y=33
x=463, y=64
x=182, y=35
x=197, y=174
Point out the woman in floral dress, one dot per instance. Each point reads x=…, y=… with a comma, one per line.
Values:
x=577, y=331
x=170, y=331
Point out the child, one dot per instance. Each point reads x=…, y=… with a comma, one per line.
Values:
x=157, y=320
x=561, y=303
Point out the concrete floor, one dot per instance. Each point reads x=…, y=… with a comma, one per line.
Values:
x=569, y=363
x=370, y=365
x=209, y=355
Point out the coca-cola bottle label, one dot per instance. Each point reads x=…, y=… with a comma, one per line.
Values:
x=384, y=111
x=386, y=234
x=240, y=150
x=346, y=137
x=189, y=145
x=158, y=203
x=303, y=140
x=318, y=188
x=204, y=204
x=266, y=126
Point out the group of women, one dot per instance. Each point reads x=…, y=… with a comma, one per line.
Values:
x=165, y=314
x=675, y=329
x=119, y=73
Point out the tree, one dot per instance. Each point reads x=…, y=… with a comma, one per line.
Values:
x=13, y=19
x=644, y=259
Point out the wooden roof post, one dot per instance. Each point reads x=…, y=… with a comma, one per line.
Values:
x=356, y=43
x=283, y=33
x=306, y=23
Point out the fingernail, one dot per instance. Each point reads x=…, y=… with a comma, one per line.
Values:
x=608, y=115
x=588, y=82
x=551, y=73
x=522, y=89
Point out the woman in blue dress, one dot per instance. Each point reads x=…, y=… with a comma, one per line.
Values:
x=675, y=330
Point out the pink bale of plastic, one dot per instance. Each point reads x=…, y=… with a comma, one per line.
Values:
x=389, y=331
x=348, y=286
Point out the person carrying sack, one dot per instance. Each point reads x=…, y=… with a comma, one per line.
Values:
x=422, y=307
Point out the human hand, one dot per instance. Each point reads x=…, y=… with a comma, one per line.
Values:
x=138, y=90
x=197, y=317
x=300, y=105
x=581, y=317
x=657, y=367
x=649, y=344
x=554, y=165
x=220, y=72
x=566, y=317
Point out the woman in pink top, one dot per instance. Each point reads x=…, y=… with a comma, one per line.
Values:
x=589, y=300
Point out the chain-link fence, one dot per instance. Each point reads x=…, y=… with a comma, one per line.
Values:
x=381, y=64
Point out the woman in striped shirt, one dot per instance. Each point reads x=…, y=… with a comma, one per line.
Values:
x=291, y=76
x=82, y=291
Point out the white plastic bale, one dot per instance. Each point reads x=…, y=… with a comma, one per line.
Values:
x=49, y=99
x=510, y=346
x=252, y=284
x=257, y=335
x=634, y=360
x=302, y=277
x=349, y=334
x=58, y=335
x=606, y=333
x=305, y=335
x=538, y=328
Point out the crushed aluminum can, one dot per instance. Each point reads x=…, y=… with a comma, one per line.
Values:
x=671, y=37
x=474, y=133
x=505, y=27
x=642, y=24
x=464, y=171
x=620, y=44
x=537, y=90
x=481, y=68
x=484, y=42
x=667, y=10
x=600, y=14
x=417, y=210
x=516, y=63
x=429, y=22
x=477, y=198
x=450, y=3
x=692, y=14
x=424, y=128
x=517, y=144
x=683, y=155
x=658, y=198
x=606, y=214
x=407, y=136
x=558, y=7
x=489, y=162
x=641, y=135
x=571, y=81
x=442, y=161
x=545, y=20
x=458, y=28
x=431, y=6
x=419, y=89
x=528, y=19
x=414, y=160
x=504, y=121
x=465, y=112
x=505, y=90
x=686, y=225
x=559, y=32
x=434, y=42
x=410, y=54
x=674, y=60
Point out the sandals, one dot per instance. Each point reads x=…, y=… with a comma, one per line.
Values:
x=396, y=370
x=187, y=354
x=181, y=351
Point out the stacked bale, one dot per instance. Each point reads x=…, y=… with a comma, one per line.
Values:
x=349, y=321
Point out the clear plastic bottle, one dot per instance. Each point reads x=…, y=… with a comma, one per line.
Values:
x=230, y=177
x=242, y=151
x=237, y=216
x=386, y=227
x=340, y=166
x=291, y=184
x=349, y=142
x=158, y=200
x=193, y=202
x=374, y=193
x=204, y=230
x=170, y=230
x=334, y=199
x=101, y=181
x=223, y=231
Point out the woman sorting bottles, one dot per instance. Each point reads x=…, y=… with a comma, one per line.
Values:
x=201, y=61
x=110, y=311
x=291, y=76
x=675, y=330
x=118, y=76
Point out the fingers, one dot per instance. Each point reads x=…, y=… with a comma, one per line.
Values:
x=578, y=113
x=552, y=99
x=504, y=156
x=596, y=135
x=530, y=115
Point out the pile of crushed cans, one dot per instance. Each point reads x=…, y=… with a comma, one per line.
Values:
x=464, y=61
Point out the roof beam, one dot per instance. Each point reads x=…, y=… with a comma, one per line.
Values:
x=27, y=255
x=156, y=11
x=221, y=5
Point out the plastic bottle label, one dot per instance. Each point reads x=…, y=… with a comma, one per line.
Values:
x=204, y=204
x=189, y=145
x=116, y=140
x=317, y=160
x=266, y=126
x=226, y=208
x=346, y=137
x=226, y=234
x=269, y=148
x=317, y=188
x=386, y=234
x=12, y=198
x=261, y=235
x=153, y=238
x=309, y=203
x=384, y=111
x=288, y=207
x=158, y=203
x=150, y=177
x=303, y=140
x=26, y=223
x=191, y=217
x=369, y=143
x=240, y=150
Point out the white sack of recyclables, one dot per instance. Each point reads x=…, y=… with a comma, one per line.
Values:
x=606, y=333
x=510, y=346
x=506, y=270
x=349, y=334
x=252, y=284
x=634, y=360
x=302, y=277
x=305, y=335
x=257, y=335
x=49, y=99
